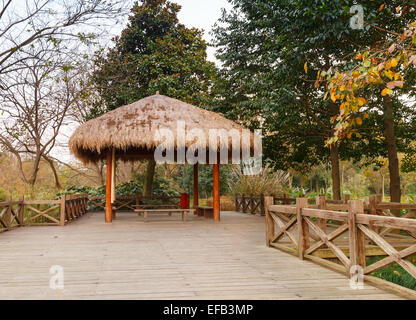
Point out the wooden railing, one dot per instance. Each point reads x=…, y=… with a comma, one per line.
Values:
x=343, y=236
x=72, y=207
x=255, y=204
x=17, y=213
x=127, y=203
x=249, y=204
x=11, y=214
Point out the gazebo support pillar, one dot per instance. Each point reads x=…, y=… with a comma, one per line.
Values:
x=113, y=182
x=108, y=189
x=196, y=190
x=216, y=192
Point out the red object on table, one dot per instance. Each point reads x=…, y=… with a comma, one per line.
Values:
x=184, y=201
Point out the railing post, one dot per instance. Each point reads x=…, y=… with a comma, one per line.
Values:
x=252, y=204
x=62, y=211
x=321, y=203
x=21, y=213
x=8, y=214
x=86, y=203
x=262, y=204
x=268, y=201
x=243, y=203
x=347, y=198
x=81, y=203
x=372, y=201
x=285, y=196
x=303, y=228
x=356, y=238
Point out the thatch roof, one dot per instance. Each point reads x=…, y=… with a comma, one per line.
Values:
x=131, y=129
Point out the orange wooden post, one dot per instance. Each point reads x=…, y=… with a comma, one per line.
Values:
x=196, y=190
x=216, y=192
x=108, y=205
x=113, y=183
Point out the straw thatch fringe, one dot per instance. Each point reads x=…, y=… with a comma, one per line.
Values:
x=131, y=129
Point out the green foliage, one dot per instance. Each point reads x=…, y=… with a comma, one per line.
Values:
x=161, y=187
x=91, y=191
x=394, y=273
x=205, y=181
x=409, y=161
x=264, y=46
x=154, y=53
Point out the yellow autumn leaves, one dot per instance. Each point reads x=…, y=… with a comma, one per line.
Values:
x=392, y=64
x=386, y=91
x=382, y=66
x=344, y=86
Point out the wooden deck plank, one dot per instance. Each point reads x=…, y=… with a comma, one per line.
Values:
x=167, y=259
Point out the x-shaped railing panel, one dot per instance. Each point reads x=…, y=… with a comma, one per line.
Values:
x=393, y=254
x=284, y=227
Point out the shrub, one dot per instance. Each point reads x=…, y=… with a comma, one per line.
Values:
x=226, y=203
x=161, y=187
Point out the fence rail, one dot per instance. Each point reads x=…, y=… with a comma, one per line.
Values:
x=344, y=239
x=17, y=213
x=128, y=203
x=255, y=204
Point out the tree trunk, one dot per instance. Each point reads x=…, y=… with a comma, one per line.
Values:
x=148, y=179
x=336, y=181
x=391, y=145
x=99, y=170
x=55, y=173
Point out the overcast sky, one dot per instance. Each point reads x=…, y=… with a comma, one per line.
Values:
x=202, y=14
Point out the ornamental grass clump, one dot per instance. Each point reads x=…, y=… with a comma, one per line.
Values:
x=268, y=182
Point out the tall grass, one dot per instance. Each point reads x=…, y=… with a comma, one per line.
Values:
x=268, y=182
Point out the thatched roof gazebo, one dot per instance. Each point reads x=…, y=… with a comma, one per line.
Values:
x=129, y=133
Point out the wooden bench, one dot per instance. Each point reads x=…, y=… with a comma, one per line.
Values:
x=155, y=206
x=207, y=212
x=169, y=211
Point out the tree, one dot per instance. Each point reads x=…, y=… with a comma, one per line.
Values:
x=272, y=52
x=22, y=26
x=35, y=104
x=368, y=87
x=39, y=52
x=154, y=53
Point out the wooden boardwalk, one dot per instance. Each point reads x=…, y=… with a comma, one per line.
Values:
x=163, y=259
